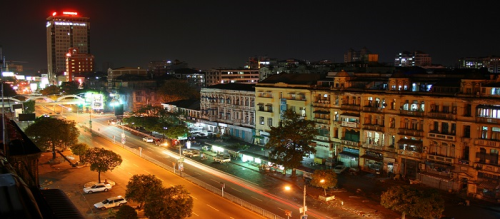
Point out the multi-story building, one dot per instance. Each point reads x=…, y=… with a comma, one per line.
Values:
x=64, y=31
x=227, y=76
x=78, y=63
x=363, y=55
x=492, y=63
x=195, y=78
x=115, y=74
x=229, y=109
x=442, y=128
x=409, y=59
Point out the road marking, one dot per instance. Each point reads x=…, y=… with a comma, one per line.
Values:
x=130, y=173
x=147, y=171
x=193, y=197
x=235, y=189
x=195, y=214
x=214, y=180
x=135, y=165
x=255, y=198
x=212, y=207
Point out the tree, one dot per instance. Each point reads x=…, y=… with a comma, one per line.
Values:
x=102, y=160
x=70, y=88
x=177, y=131
x=139, y=186
x=174, y=202
x=51, y=133
x=126, y=212
x=50, y=90
x=413, y=201
x=324, y=179
x=8, y=91
x=291, y=140
x=29, y=106
x=79, y=149
x=176, y=89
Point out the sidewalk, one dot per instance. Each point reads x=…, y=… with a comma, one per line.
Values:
x=358, y=194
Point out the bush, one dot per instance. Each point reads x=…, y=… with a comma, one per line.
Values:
x=126, y=212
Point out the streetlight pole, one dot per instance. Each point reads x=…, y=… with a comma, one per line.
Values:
x=90, y=122
x=305, y=207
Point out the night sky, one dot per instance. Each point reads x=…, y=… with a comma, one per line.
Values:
x=212, y=34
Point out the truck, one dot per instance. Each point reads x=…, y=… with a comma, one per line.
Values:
x=222, y=158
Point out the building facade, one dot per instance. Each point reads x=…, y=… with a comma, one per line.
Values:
x=64, y=31
x=229, y=109
x=442, y=129
x=227, y=76
x=409, y=59
x=77, y=63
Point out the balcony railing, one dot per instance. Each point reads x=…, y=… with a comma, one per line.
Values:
x=390, y=149
x=488, y=168
x=488, y=120
x=373, y=109
x=441, y=136
x=350, y=124
x=411, y=132
x=411, y=113
x=410, y=153
x=374, y=127
x=322, y=120
x=322, y=138
x=373, y=146
x=448, y=160
x=487, y=142
x=350, y=107
x=350, y=143
x=441, y=115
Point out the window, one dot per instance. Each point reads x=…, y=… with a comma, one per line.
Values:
x=484, y=132
x=270, y=122
x=495, y=133
x=261, y=120
x=467, y=131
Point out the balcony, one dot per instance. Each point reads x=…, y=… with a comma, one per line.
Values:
x=410, y=153
x=350, y=107
x=322, y=120
x=488, y=120
x=411, y=113
x=321, y=103
x=350, y=143
x=441, y=136
x=443, y=159
x=373, y=109
x=236, y=122
x=350, y=124
x=487, y=142
x=390, y=148
x=374, y=127
x=379, y=147
x=411, y=132
x=487, y=168
x=441, y=115
x=322, y=138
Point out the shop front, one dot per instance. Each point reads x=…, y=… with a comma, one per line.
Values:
x=373, y=162
x=349, y=157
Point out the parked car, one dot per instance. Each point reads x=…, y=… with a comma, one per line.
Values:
x=222, y=158
x=148, y=139
x=111, y=202
x=339, y=169
x=191, y=153
x=98, y=187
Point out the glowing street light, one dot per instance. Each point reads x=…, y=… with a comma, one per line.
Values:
x=323, y=181
x=304, y=208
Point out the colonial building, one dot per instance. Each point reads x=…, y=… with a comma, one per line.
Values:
x=229, y=109
x=441, y=128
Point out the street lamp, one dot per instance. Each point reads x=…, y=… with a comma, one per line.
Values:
x=323, y=181
x=288, y=188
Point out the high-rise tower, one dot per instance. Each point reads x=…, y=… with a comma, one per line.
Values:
x=64, y=31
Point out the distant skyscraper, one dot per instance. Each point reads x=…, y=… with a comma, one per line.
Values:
x=65, y=31
x=364, y=56
x=408, y=59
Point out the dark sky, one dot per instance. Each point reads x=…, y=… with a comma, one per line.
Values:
x=211, y=34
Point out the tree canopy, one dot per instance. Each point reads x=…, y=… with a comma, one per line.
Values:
x=139, y=186
x=70, y=88
x=421, y=203
x=126, y=212
x=176, y=89
x=174, y=202
x=79, y=149
x=29, y=106
x=47, y=132
x=158, y=120
x=324, y=179
x=50, y=90
x=102, y=160
x=291, y=140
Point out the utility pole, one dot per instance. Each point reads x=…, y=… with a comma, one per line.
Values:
x=90, y=123
x=3, y=125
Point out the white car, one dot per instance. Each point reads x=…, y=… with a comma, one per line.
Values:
x=148, y=139
x=339, y=169
x=111, y=202
x=98, y=187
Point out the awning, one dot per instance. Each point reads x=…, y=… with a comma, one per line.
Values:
x=410, y=142
x=349, y=154
x=366, y=156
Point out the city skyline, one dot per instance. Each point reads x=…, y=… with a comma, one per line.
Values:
x=225, y=34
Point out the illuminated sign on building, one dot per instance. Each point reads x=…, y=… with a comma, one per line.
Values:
x=70, y=13
x=59, y=23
